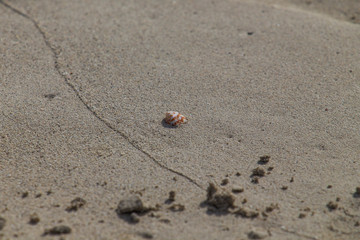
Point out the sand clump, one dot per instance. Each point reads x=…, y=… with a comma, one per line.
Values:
x=58, y=230
x=224, y=182
x=357, y=193
x=131, y=208
x=177, y=208
x=246, y=213
x=332, y=206
x=219, y=199
x=34, y=219
x=76, y=204
x=2, y=223
x=132, y=204
x=264, y=160
x=258, y=172
x=171, y=197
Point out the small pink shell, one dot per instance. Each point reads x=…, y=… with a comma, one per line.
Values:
x=175, y=118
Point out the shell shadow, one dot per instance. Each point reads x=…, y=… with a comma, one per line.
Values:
x=165, y=125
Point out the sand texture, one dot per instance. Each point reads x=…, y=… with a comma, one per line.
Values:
x=347, y=10
x=271, y=90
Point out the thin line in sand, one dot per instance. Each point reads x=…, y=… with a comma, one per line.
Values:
x=64, y=76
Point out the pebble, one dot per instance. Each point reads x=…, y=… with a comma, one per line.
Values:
x=130, y=205
x=237, y=189
x=257, y=234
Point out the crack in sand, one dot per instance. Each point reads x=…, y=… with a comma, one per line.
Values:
x=302, y=235
x=331, y=228
x=64, y=76
x=346, y=212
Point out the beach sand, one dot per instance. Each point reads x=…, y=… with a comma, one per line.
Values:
x=270, y=88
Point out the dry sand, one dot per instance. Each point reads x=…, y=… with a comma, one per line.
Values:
x=347, y=10
x=84, y=86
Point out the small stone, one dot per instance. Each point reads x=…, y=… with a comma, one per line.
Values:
x=264, y=160
x=237, y=189
x=332, y=206
x=24, y=194
x=76, y=204
x=34, y=219
x=58, y=230
x=238, y=174
x=257, y=234
x=130, y=205
x=2, y=223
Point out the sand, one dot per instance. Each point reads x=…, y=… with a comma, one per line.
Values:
x=270, y=88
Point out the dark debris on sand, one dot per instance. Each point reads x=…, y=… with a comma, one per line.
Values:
x=2, y=223
x=130, y=205
x=34, y=219
x=76, y=204
x=264, y=160
x=219, y=199
x=131, y=208
x=258, y=172
x=58, y=230
x=246, y=213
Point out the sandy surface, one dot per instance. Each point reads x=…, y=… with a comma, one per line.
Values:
x=84, y=86
x=347, y=10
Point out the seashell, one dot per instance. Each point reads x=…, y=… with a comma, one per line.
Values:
x=174, y=118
